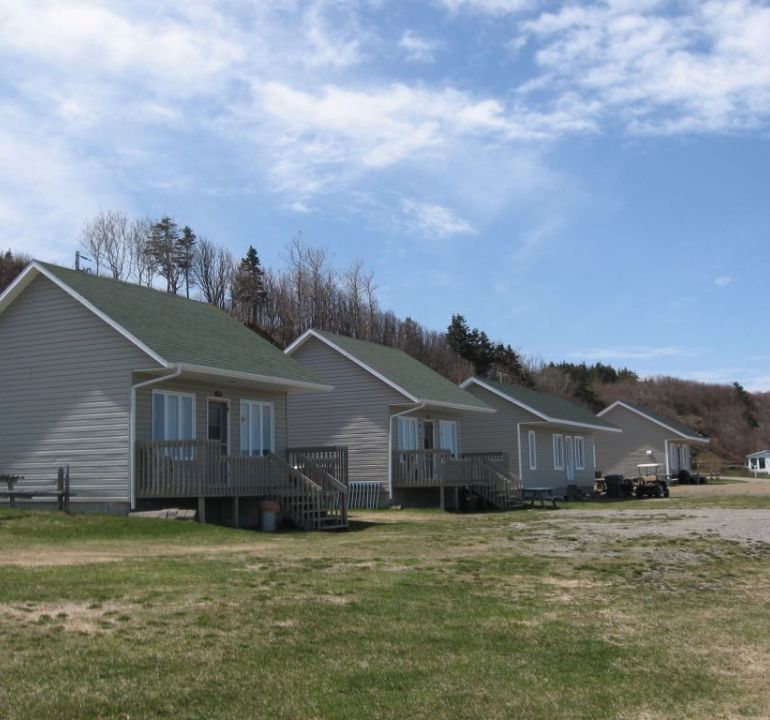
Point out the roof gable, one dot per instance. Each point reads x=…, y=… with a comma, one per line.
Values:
x=547, y=407
x=674, y=426
x=414, y=380
x=172, y=330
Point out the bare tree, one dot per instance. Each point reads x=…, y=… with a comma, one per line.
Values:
x=212, y=271
x=142, y=264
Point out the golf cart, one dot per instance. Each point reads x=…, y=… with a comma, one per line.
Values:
x=651, y=481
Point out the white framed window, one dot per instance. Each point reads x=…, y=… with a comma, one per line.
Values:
x=257, y=428
x=580, y=453
x=173, y=416
x=558, y=452
x=447, y=430
x=532, y=447
x=407, y=433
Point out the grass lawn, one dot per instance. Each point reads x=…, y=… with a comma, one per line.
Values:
x=409, y=615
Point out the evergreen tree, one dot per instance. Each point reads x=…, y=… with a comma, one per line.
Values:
x=249, y=287
x=184, y=255
x=161, y=248
x=747, y=402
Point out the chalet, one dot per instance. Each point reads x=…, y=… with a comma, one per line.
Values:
x=549, y=440
x=153, y=400
x=403, y=423
x=648, y=438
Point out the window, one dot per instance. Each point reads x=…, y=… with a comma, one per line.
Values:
x=761, y=463
x=257, y=424
x=448, y=436
x=580, y=453
x=532, y=446
x=558, y=452
x=407, y=433
x=173, y=416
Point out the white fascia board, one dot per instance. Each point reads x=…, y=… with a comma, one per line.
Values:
x=302, y=339
x=620, y=403
x=301, y=385
x=457, y=406
x=475, y=381
x=20, y=282
x=102, y=316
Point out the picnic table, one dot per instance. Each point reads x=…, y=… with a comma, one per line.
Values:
x=542, y=494
x=61, y=492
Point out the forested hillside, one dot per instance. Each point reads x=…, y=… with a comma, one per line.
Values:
x=308, y=291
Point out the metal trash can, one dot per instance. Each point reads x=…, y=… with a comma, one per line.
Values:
x=269, y=516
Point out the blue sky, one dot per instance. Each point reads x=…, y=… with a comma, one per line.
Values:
x=582, y=180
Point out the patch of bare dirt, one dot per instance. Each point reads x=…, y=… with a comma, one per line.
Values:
x=72, y=617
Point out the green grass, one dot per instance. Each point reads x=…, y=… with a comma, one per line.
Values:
x=421, y=615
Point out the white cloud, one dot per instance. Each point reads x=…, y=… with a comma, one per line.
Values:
x=418, y=48
x=434, y=220
x=490, y=7
x=660, y=67
x=637, y=352
x=723, y=280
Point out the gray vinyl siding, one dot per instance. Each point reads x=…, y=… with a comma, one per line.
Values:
x=205, y=391
x=546, y=475
x=621, y=453
x=498, y=432
x=355, y=414
x=65, y=379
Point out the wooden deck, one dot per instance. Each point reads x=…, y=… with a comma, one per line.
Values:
x=303, y=483
x=486, y=473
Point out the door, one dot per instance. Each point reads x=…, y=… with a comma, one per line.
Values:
x=219, y=412
x=570, y=452
x=673, y=459
x=429, y=443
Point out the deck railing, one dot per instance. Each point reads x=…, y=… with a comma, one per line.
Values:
x=487, y=473
x=332, y=459
x=420, y=468
x=308, y=493
x=197, y=468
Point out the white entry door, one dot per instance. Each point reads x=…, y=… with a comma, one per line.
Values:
x=570, y=452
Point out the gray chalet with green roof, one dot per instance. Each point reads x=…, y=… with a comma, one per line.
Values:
x=151, y=399
x=403, y=423
x=648, y=439
x=550, y=441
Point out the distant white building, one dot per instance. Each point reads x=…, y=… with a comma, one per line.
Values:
x=759, y=462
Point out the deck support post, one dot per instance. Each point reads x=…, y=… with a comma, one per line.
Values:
x=236, y=513
x=441, y=493
x=201, y=509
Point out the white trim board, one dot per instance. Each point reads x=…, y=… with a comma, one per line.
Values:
x=631, y=408
x=302, y=339
x=556, y=421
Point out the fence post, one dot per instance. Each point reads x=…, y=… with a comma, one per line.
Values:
x=67, y=489
x=60, y=489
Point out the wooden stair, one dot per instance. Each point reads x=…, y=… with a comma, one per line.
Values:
x=314, y=499
x=495, y=485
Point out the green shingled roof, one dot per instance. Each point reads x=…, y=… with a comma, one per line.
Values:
x=182, y=331
x=403, y=370
x=673, y=424
x=554, y=407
